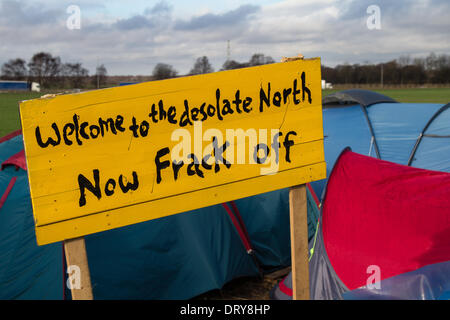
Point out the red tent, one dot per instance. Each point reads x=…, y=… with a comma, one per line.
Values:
x=377, y=214
x=380, y=213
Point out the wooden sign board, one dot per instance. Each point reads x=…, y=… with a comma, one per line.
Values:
x=109, y=158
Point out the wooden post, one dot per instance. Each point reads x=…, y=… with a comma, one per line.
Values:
x=298, y=212
x=75, y=251
x=299, y=242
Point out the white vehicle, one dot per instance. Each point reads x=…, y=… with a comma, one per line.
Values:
x=326, y=85
x=35, y=87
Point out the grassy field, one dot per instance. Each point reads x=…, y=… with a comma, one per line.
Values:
x=9, y=110
x=431, y=95
x=9, y=102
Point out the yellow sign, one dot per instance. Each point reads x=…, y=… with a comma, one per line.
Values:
x=109, y=158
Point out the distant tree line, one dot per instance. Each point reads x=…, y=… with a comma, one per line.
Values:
x=256, y=60
x=51, y=72
x=433, y=69
x=202, y=65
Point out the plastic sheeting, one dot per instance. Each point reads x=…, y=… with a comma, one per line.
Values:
x=324, y=283
x=431, y=282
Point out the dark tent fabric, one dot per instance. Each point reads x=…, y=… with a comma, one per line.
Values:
x=378, y=213
x=176, y=257
x=26, y=270
x=364, y=98
x=155, y=259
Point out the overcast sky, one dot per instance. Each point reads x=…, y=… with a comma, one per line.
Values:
x=132, y=36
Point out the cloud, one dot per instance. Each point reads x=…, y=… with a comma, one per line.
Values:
x=334, y=30
x=210, y=20
x=158, y=15
x=161, y=8
x=337, y=30
x=135, y=22
x=14, y=13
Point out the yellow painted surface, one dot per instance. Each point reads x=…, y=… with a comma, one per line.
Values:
x=55, y=170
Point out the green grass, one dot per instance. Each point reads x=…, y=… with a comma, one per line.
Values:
x=432, y=95
x=9, y=102
x=9, y=110
x=418, y=95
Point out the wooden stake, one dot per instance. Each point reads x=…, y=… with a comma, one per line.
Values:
x=299, y=242
x=298, y=211
x=75, y=251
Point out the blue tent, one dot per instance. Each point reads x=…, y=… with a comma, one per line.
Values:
x=181, y=256
x=175, y=257
x=411, y=134
x=414, y=134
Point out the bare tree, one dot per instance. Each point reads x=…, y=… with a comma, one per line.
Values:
x=164, y=71
x=44, y=68
x=232, y=64
x=75, y=74
x=404, y=60
x=259, y=59
x=14, y=69
x=431, y=61
x=256, y=60
x=201, y=66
